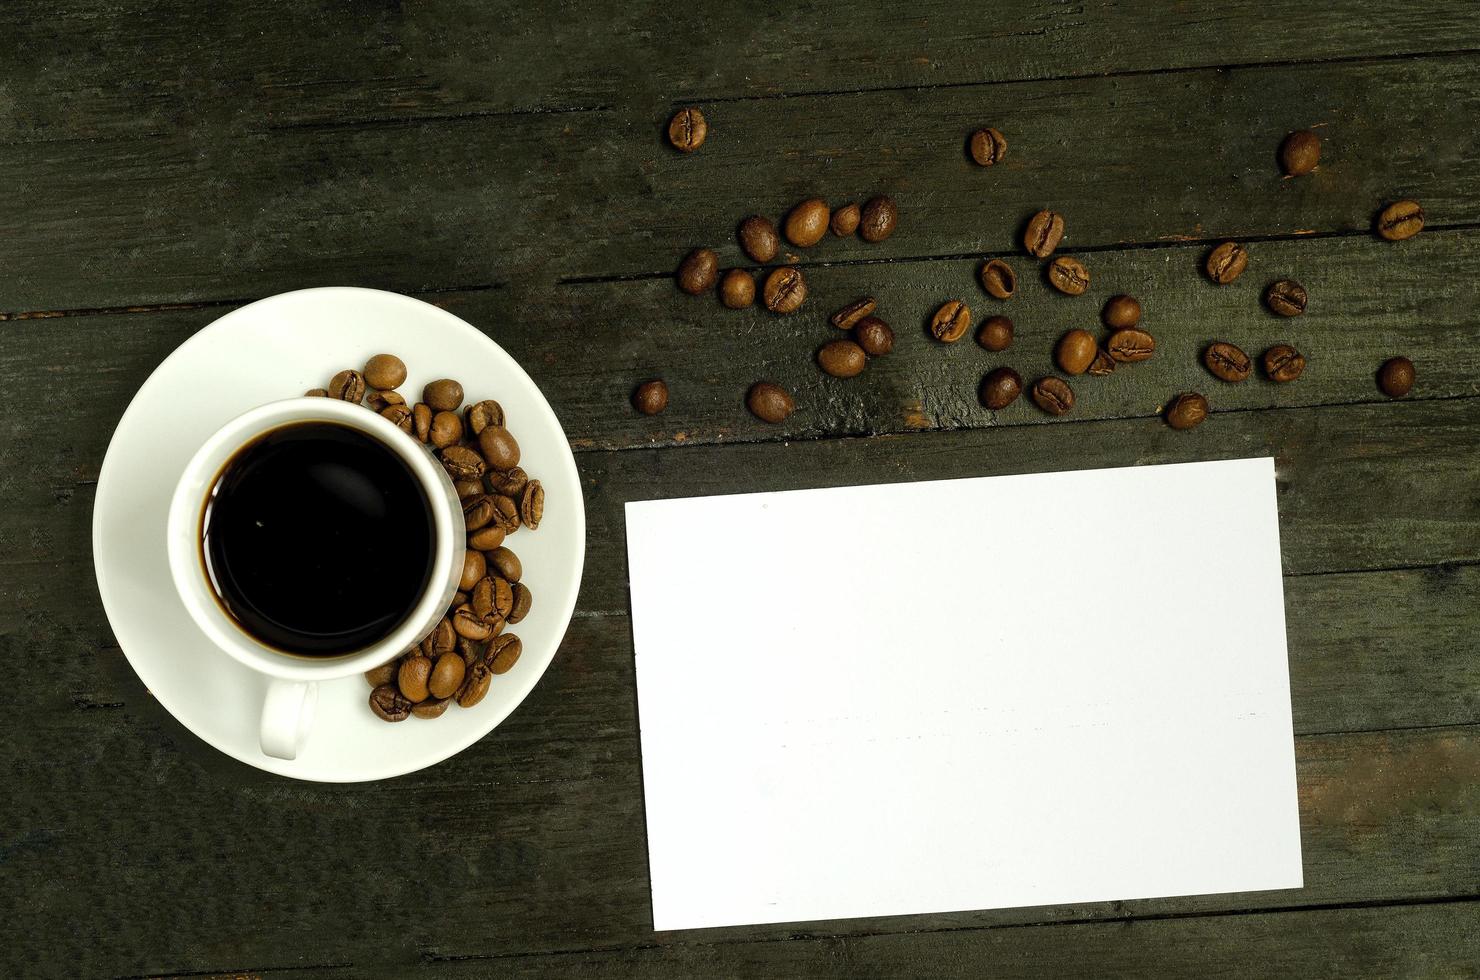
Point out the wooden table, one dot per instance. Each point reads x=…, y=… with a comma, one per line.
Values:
x=163, y=163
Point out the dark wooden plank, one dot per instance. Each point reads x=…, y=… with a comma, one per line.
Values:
x=85, y=68
x=525, y=200
x=1341, y=944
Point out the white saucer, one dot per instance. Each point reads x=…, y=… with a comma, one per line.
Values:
x=279, y=348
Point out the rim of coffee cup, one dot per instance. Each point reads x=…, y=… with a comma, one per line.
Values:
x=186, y=560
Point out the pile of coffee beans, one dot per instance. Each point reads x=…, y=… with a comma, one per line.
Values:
x=458, y=659
x=870, y=337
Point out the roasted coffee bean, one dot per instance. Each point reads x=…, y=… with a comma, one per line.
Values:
x=475, y=685
x=424, y=648
x=522, y=602
x=446, y=429
x=1045, y=231
x=845, y=220
x=1001, y=388
x=499, y=447
x=699, y=271
x=842, y=358
x=1068, y=275
x=381, y=400
x=1076, y=351
x=469, y=624
x=849, y=315
x=506, y=563
x=412, y=677
x=458, y=598
x=383, y=674
x=470, y=650
x=503, y=653
x=1396, y=223
x=505, y=513
x=475, y=566
x=532, y=505
x=462, y=463
x=385, y=371
x=1121, y=312
x=874, y=335
x=1283, y=363
x=1395, y=377
x=878, y=219
x=487, y=538
x=480, y=415
x=447, y=676
x=502, y=595
x=737, y=289
x=769, y=402
x=951, y=321
x=421, y=421
x=481, y=598
x=759, y=239
x=651, y=397
x=1053, y=395
x=785, y=289
x=389, y=704
x=998, y=279
x=477, y=512
x=1227, y=362
x=443, y=395
x=348, y=386
x=468, y=488
x=687, y=129
x=807, y=222
x=430, y=709
x=1300, y=152
x=1227, y=262
x=987, y=146
x=1285, y=297
x=443, y=638
x=397, y=415
x=316, y=393
x=1102, y=365
x=507, y=483
x=995, y=333
x=1187, y=410
x=1130, y=346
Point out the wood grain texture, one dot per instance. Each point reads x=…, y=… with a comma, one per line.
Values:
x=534, y=199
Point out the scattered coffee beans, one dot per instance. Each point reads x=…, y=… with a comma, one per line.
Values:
x=1130, y=346
x=807, y=222
x=737, y=289
x=1285, y=297
x=842, y=358
x=1187, y=410
x=758, y=238
x=1283, y=363
x=1227, y=363
x=987, y=146
x=1121, y=312
x=998, y=279
x=651, y=397
x=785, y=290
x=1053, y=395
x=845, y=220
x=769, y=402
x=1395, y=377
x=1227, y=262
x=698, y=272
x=995, y=333
x=855, y=311
x=687, y=129
x=1300, y=152
x=1068, y=276
x=878, y=219
x=1076, y=351
x=1000, y=388
x=1396, y=222
x=385, y=372
x=874, y=336
x=1045, y=231
x=951, y=321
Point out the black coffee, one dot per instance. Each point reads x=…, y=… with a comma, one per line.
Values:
x=318, y=539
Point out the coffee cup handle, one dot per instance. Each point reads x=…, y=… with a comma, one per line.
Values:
x=287, y=715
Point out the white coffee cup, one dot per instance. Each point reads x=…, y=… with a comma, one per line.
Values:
x=292, y=692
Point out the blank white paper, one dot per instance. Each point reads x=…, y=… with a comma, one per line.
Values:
x=964, y=694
